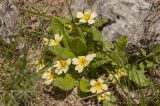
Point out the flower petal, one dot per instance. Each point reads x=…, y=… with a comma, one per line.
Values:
x=99, y=90
x=93, y=90
x=68, y=61
x=91, y=21
x=57, y=37
x=60, y=72
x=90, y=57
x=108, y=93
x=66, y=69
x=86, y=64
x=82, y=21
x=93, y=15
x=100, y=80
x=48, y=82
x=104, y=87
x=53, y=43
x=75, y=61
x=93, y=82
x=56, y=64
x=44, y=75
x=79, y=14
x=79, y=68
x=87, y=12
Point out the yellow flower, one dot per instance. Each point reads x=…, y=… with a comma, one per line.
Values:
x=70, y=28
x=87, y=17
x=49, y=76
x=56, y=41
x=45, y=41
x=62, y=66
x=104, y=96
x=82, y=61
x=53, y=42
x=40, y=65
x=98, y=86
x=119, y=73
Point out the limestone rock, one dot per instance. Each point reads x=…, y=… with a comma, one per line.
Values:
x=8, y=17
x=127, y=17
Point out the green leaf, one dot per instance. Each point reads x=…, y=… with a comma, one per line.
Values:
x=67, y=83
x=119, y=58
x=144, y=53
x=99, y=23
x=84, y=85
x=98, y=63
x=112, y=98
x=97, y=35
x=107, y=45
x=138, y=77
x=107, y=103
x=150, y=64
x=155, y=49
x=61, y=52
x=78, y=45
x=142, y=66
x=121, y=43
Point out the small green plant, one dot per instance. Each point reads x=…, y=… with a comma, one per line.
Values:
x=76, y=56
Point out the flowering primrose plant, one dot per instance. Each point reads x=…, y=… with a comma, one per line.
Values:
x=77, y=57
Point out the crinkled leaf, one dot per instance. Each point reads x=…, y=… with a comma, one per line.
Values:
x=141, y=65
x=84, y=85
x=78, y=45
x=155, y=49
x=121, y=43
x=144, y=53
x=138, y=77
x=98, y=63
x=97, y=35
x=61, y=52
x=112, y=98
x=67, y=83
x=107, y=103
x=107, y=45
x=118, y=58
x=99, y=23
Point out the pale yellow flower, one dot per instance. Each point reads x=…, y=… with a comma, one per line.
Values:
x=119, y=73
x=98, y=86
x=62, y=66
x=82, y=61
x=45, y=41
x=49, y=76
x=40, y=65
x=56, y=41
x=104, y=96
x=53, y=42
x=86, y=17
x=70, y=28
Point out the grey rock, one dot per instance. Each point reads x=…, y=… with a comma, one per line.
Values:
x=8, y=18
x=127, y=17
